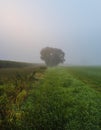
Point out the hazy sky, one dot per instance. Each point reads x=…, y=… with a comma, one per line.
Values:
x=27, y=26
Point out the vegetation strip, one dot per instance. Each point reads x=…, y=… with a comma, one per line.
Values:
x=54, y=101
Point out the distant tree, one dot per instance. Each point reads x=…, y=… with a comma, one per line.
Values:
x=52, y=56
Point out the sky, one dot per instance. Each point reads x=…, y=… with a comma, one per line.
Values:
x=27, y=26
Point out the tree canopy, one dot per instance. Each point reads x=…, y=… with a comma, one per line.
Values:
x=52, y=56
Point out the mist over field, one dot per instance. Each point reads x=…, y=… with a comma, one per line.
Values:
x=73, y=26
x=37, y=96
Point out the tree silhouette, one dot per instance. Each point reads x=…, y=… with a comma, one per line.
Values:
x=52, y=56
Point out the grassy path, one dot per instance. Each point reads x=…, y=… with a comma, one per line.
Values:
x=55, y=101
x=61, y=102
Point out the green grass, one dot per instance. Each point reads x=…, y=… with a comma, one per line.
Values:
x=63, y=103
x=89, y=75
x=58, y=100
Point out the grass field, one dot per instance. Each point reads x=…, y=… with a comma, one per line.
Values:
x=15, y=64
x=90, y=75
x=61, y=98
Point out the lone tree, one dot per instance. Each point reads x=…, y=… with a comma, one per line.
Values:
x=52, y=56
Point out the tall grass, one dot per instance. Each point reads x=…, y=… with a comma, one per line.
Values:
x=62, y=103
x=53, y=100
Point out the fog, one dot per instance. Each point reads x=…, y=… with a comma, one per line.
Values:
x=27, y=26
